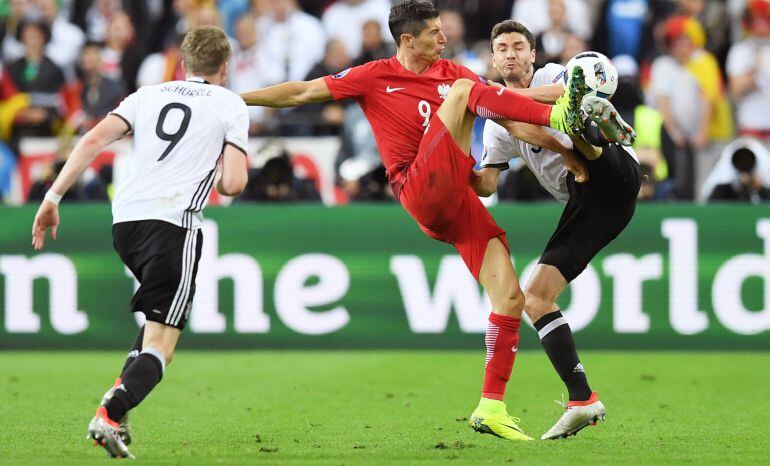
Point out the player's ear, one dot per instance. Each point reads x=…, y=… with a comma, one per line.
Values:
x=406, y=39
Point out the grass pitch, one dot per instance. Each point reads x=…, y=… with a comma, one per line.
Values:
x=374, y=407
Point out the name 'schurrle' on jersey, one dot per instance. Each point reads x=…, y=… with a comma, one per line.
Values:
x=180, y=129
x=398, y=103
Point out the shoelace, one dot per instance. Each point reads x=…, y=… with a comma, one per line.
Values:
x=561, y=403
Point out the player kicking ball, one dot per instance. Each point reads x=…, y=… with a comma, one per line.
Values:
x=421, y=109
x=182, y=131
x=600, y=196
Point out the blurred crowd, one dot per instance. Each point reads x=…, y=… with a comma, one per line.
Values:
x=693, y=80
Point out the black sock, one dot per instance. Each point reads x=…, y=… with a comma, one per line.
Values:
x=560, y=348
x=136, y=348
x=138, y=380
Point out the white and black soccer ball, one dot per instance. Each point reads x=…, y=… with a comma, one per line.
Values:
x=600, y=74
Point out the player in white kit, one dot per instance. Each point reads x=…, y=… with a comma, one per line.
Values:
x=599, y=188
x=188, y=136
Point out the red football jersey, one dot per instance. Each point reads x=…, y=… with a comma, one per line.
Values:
x=398, y=103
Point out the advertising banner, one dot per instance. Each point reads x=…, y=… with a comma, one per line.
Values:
x=364, y=276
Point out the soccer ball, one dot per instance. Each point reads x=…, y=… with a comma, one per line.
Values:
x=600, y=74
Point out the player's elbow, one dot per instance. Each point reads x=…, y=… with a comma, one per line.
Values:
x=233, y=184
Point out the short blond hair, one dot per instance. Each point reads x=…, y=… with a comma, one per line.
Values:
x=204, y=50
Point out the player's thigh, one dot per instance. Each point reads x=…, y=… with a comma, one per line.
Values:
x=615, y=174
x=168, y=286
x=438, y=179
x=455, y=115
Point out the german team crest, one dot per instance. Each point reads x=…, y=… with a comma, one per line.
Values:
x=443, y=90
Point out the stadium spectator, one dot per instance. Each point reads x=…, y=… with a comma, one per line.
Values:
x=162, y=66
x=550, y=42
x=291, y=37
x=36, y=75
x=324, y=118
x=373, y=48
x=231, y=11
x=92, y=17
x=249, y=67
x=686, y=87
x=742, y=174
x=120, y=59
x=534, y=13
x=345, y=19
x=712, y=16
x=39, y=187
x=371, y=186
x=626, y=27
x=453, y=27
x=358, y=152
x=277, y=182
x=65, y=39
x=573, y=45
x=456, y=48
x=99, y=187
x=99, y=94
x=748, y=68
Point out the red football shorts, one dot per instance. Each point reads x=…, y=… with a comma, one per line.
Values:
x=437, y=194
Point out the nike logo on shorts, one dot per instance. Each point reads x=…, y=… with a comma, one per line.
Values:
x=390, y=90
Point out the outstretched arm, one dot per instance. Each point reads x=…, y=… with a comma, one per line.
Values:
x=537, y=136
x=108, y=130
x=290, y=94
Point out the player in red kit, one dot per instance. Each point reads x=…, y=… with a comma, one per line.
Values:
x=422, y=109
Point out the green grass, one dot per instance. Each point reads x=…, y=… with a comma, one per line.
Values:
x=374, y=407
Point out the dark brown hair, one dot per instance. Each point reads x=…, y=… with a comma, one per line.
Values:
x=508, y=26
x=409, y=17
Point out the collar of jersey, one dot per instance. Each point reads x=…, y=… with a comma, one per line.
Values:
x=197, y=79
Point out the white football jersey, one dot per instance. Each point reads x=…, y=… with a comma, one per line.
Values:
x=547, y=166
x=500, y=147
x=180, y=130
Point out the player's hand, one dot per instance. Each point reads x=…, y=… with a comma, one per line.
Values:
x=47, y=217
x=576, y=166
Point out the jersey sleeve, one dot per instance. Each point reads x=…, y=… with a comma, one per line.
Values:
x=353, y=82
x=468, y=74
x=237, y=133
x=552, y=73
x=126, y=110
x=498, y=148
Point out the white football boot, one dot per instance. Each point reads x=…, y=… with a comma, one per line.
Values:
x=106, y=433
x=577, y=416
x=603, y=113
x=125, y=426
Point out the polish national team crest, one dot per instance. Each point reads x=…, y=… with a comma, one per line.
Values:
x=341, y=74
x=443, y=90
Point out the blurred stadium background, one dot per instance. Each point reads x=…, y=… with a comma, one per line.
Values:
x=316, y=255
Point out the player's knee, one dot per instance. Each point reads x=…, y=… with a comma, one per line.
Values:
x=514, y=301
x=537, y=305
x=460, y=89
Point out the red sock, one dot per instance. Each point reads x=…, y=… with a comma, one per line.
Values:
x=500, y=103
x=502, y=344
